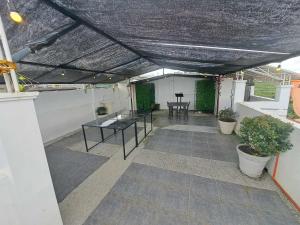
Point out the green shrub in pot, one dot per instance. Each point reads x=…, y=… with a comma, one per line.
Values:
x=227, y=115
x=227, y=120
x=262, y=137
x=101, y=110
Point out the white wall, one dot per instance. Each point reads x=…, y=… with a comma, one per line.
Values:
x=277, y=106
x=256, y=98
x=166, y=88
x=288, y=171
x=62, y=112
x=225, y=93
x=26, y=191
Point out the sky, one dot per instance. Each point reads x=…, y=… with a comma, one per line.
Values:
x=292, y=64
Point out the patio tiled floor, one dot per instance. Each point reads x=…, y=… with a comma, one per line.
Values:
x=145, y=195
x=184, y=173
x=196, y=144
x=69, y=169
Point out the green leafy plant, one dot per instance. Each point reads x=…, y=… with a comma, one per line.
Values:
x=227, y=115
x=266, y=135
x=101, y=110
x=291, y=112
x=205, y=95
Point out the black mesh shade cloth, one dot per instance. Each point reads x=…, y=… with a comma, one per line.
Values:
x=116, y=40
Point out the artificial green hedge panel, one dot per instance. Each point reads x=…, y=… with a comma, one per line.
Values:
x=205, y=95
x=145, y=96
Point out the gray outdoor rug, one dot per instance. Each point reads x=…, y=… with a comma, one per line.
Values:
x=196, y=144
x=69, y=168
x=146, y=195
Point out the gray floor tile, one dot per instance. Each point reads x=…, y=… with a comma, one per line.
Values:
x=237, y=215
x=224, y=156
x=186, y=150
x=199, y=140
x=70, y=140
x=152, y=174
x=203, y=145
x=273, y=219
x=128, y=186
x=213, y=146
x=204, y=211
x=153, y=196
x=174, y=200
x=70, y=168
x=204, y=187
x=154, y=193
x=137, y=215
x=171, y=218
x=201, y=150
x=108, y=212
x=233, y=193
x=265, y=200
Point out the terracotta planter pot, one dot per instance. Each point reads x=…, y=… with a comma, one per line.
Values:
x=251, y=165
x=226, y=127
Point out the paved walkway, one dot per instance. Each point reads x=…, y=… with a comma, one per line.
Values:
x=184, y=173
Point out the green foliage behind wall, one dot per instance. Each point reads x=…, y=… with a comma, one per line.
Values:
x=145, y=96
x=205, y=95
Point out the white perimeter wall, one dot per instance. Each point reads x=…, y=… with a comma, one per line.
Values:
x=225, y=93
x=288, y=171
x=166, y=88
x=62, y=112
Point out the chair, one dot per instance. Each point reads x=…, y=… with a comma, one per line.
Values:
x=186, y=110
x=170, y=109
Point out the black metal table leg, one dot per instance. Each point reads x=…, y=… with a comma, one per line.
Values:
x=136, y=135
x=123, y=142
x=102, y=136
x=145, y=126
x=86, y=146
x=151, y=119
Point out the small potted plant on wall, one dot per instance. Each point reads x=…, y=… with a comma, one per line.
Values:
x=227, y=121
x=101, y=110
x=262, y=137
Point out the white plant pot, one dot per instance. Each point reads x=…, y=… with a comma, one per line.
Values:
x=226, y=127
x=251, y=165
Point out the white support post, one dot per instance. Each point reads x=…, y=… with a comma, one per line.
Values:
x=8, y=56
x=239, y=87
x=26, y=189
x=252, y=89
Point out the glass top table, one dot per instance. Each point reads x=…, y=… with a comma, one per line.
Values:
x=119, y=121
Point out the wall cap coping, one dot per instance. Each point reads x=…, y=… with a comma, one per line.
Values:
x=296, y=125
x=240, y=81
x=284, y=86
x=6, y=97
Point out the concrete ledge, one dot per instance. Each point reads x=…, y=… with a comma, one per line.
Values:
x=4, y=97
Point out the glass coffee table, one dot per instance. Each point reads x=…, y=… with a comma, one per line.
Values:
x=119, y=122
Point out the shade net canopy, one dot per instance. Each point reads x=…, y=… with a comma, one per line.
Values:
x=114, y=40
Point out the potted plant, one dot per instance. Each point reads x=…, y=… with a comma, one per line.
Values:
x=227, y=121
x=101, y=110
x=262, y=137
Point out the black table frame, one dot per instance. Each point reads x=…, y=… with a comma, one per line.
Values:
x=134, y=119
x=184, y=105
